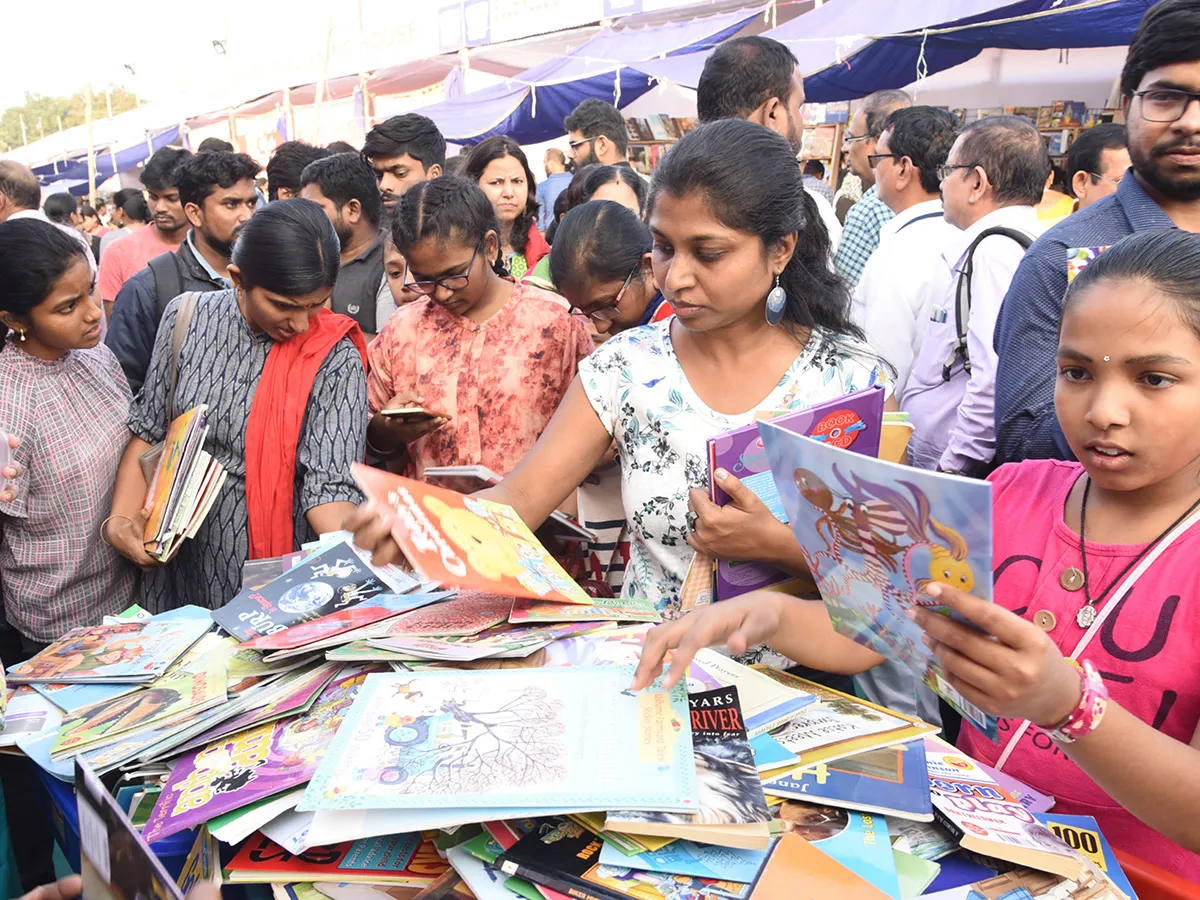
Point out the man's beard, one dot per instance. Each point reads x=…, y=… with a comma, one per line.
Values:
x=1149, y=168
x=344, y=233
x=223, y=248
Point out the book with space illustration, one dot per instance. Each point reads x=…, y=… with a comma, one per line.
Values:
x=576, y=737
x=874, y=534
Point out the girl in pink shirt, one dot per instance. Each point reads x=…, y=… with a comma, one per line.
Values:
x=1128, y=400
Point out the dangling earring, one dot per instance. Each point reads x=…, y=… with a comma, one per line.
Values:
x=776, y=301
x=21, y=336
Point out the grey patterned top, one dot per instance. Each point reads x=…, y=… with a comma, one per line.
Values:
x=220, y=364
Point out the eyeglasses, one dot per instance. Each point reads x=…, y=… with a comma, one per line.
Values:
x=943, y=172
x=609, y=311
x=854, y=138
x=873, y=158
x=574, y=144
x=450, y=282
x=1099, y=177
x=1165, y=104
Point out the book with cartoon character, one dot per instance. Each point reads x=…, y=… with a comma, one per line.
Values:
x=335, y=579
x=469, y=542
x=577, y=737
x=260, y=762
x=873, y=534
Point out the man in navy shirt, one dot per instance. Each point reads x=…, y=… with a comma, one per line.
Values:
x=1161, y=87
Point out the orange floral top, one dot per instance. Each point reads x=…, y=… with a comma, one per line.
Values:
x=500, y=381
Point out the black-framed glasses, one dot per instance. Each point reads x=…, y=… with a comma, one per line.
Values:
x=874, y=158
x=449, y=282
x=580, y=143
x=1165, y=104
x=943, y=172
x=610, y=310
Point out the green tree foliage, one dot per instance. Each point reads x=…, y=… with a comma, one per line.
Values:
x=41, y=113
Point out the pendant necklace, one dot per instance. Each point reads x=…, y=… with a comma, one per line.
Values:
x=1087, y=613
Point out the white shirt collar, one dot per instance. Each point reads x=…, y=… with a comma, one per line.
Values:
x=924, y=208
x=1022, y=218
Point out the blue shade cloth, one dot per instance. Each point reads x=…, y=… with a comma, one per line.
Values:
x=75, y=168
x=844, y=52
x=530, y=107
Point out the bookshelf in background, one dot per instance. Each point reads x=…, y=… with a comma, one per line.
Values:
x=1059, y=123
x=821, y=139
x=651, y=137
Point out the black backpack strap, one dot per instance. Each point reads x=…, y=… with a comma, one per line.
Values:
x=168, y=279
x=962, y=294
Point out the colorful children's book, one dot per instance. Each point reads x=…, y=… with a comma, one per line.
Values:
x=766, y=704
x=203, y=863
x=69, y=697
x=26, y=713
x=1081, y=833
x=258, y=763
x=733, y=810
x=850, y=422
x=969, y=880
x=404, y=859
x=183, y=486
x=859, y=841
x=840, y=725
x=510, y=737
x=986, y=819
x=115, y=860
x=377, y=609
x=133, y=653
x=1034, y=801
x=468, y=542
x=334, y=579
x=602, y=609
x=874, y=534
x=468, y=613
x=772, y=756
x=797, y=862
x=689, y=858
x=890, y=781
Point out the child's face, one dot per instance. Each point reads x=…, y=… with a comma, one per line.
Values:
x=1128, y=388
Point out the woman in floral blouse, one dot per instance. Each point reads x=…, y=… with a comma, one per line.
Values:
x=724, y=235
x=495, y=357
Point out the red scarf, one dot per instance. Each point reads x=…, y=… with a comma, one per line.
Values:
x=273, y=429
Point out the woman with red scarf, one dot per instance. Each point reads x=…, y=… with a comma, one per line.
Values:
x=285, y=383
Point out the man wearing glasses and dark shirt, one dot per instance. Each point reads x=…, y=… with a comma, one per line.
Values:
x=596, y=134
x=1161, y=88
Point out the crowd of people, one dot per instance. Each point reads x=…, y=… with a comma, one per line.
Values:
x=584, y=336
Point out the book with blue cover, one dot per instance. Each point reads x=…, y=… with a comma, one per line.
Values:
x=859, y=841
x=890, y=781
x=510, y=737
x=1082, y=833
x=874, y=534
x=690, y=858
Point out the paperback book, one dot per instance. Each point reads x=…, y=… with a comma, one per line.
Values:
x=469, y=613
x=511, y=738
x=858, y=841
x=874, y=534
x=1082, y=833
x=183, y=487
x=468, y=542
x=689, y=858
x=601, y=609
x=131, y=653
x=765, y=702
x=404, y=859
x=374, y=610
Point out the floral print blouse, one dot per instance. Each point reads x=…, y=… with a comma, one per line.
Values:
x=642, y=396
x=500, y=381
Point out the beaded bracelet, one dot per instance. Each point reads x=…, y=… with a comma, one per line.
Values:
x=1086, y=716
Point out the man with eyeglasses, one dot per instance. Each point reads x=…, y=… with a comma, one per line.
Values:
x=1160, y=84
x=1096, y=163
x=866, y=218
x=596, y=134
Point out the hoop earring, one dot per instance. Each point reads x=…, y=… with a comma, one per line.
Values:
x=776, y=301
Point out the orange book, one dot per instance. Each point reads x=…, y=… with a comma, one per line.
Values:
x=184, y=437
x=467, y=541
x=800, y=871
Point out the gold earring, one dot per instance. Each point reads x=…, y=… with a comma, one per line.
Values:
x=21, y=336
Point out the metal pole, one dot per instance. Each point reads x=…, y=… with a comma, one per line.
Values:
x=87, y=114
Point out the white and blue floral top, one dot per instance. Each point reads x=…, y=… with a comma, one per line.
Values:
x=642, y=396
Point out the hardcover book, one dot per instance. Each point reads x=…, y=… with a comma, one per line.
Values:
x=873, y=534
x=576, y=737
x=468, y=542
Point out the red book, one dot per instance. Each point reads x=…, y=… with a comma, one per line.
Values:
x=404, y=859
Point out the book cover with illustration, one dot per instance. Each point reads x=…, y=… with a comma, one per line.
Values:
x=167, y=700
x=376, y=609
x=733, y=809
x=798, y=862
x=185, y=436
x=874, y=534
x=132, y=653
x=890, y=781
x=858, y=841
x=1082, y=833
x=766, y=703
x=852, y=422
x=468, y=542
x=236, y=771
x=395, y=859
x=115, y=861
x=332, y=580
x=469, y=613
x=601, y=609
x=509, y=737
x=986, y=819
x=839, y=725
x=690, y=858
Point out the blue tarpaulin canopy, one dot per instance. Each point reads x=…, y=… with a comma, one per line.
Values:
x=849, y=48
x=531, y=106
x=108, y=161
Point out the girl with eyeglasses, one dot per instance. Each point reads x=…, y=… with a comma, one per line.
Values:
x=494, y=358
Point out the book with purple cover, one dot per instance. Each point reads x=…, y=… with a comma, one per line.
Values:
x=852, y=422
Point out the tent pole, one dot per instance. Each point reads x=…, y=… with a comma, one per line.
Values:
x=232, y=128
x=112, y=153
x=24, y=136
x=91, y=139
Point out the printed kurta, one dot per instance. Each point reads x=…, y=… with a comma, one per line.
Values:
x=500, y=381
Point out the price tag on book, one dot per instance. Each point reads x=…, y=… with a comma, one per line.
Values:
x=1084, y=840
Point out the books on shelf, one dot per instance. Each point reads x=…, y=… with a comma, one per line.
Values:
x=184, y=486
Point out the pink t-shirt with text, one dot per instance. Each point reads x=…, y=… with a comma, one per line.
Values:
x=1146, y=651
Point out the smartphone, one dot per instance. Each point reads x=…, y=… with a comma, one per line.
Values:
x=412, y=414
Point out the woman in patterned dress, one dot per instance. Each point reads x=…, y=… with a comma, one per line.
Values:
x=285, y=384
x=63, y=393
x=724, y=235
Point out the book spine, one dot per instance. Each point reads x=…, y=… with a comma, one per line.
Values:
x=557, y=881
x=948, y=823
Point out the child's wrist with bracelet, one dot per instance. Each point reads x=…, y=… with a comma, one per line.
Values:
x=1088, y=711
